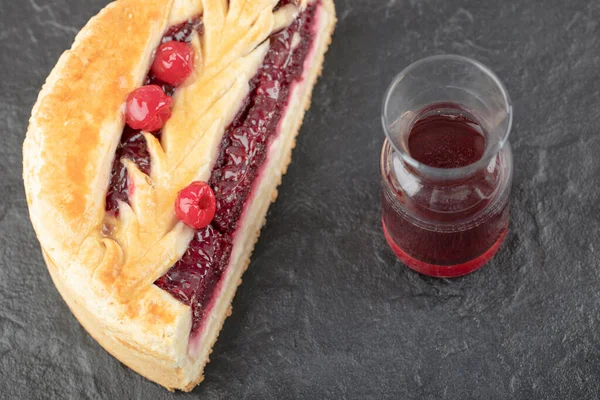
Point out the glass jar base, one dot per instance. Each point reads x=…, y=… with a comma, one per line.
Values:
x=444, y=271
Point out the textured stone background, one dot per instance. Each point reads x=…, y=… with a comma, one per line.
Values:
x=325, y=310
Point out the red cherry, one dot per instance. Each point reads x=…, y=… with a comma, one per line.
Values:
x=173, y=63
x=195, y=205
x=148, y=108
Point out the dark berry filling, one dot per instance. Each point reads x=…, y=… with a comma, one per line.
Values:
x=243, y=149
x=194, y=278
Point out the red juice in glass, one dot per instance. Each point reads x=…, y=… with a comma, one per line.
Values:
x=446, y=170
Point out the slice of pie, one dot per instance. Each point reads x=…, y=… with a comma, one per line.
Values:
x=153, y=152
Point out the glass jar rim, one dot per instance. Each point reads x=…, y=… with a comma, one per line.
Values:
x=447, y=173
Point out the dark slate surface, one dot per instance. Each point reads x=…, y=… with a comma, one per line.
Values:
x=325, y=310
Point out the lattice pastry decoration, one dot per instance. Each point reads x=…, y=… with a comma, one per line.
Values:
x=146, y=238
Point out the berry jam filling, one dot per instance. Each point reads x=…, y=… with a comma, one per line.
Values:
x=194, y=278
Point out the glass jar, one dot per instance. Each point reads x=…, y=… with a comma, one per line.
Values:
x=446, y=222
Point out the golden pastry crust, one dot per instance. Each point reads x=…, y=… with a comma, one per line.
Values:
x=67, y=155
x=107, y=280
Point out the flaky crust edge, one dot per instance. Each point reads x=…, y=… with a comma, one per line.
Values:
x=140, y=360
